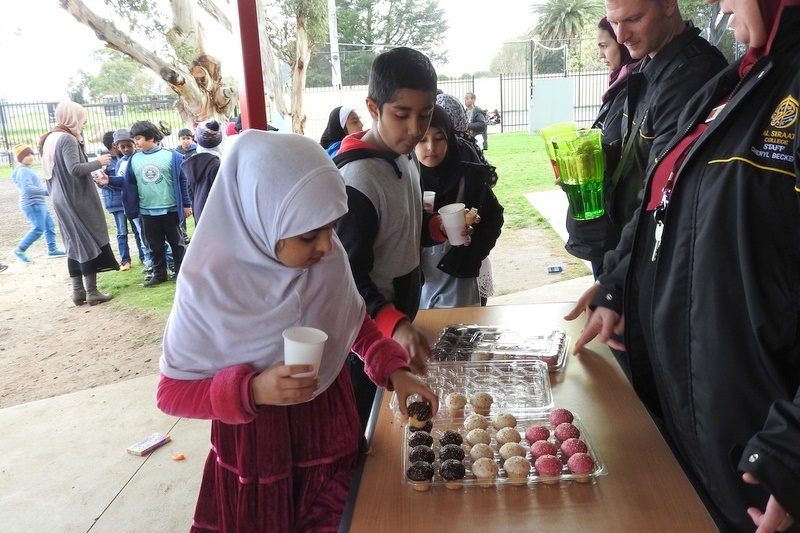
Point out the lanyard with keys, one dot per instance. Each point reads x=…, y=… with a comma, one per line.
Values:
x=661, y=211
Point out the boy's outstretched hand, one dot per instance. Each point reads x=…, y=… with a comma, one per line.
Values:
x=415, y=343
x=276, y=386
x=405, y=384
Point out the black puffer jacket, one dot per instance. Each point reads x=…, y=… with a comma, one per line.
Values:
x=720, y=307
x=657, y=93
x=465, y=261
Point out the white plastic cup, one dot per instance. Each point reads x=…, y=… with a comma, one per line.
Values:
x=303, y=346
x=428, y=197
x=454, y=223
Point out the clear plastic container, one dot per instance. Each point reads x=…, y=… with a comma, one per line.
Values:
x=472, y=342
x=531, y=480
x=521, y=388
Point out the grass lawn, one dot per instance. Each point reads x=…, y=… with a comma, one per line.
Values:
x=522, y=166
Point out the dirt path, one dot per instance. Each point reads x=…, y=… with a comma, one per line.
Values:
x=50, y=347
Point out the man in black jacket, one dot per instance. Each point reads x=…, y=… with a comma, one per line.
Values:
x=675, y=63
x=476, y=119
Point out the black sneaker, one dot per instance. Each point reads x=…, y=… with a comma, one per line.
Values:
x=152, y=282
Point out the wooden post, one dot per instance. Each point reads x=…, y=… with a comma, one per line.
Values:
x=251, y=95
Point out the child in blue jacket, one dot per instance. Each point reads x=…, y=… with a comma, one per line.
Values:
x=32, y=196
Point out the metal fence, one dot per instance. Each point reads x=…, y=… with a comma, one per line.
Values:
x=509, y=94
x=27, y=122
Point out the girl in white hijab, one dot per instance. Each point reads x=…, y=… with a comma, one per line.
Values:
x=267, y=258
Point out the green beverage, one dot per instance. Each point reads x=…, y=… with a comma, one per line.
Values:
x=579, y=157
x=548, y=133
x=585, y=200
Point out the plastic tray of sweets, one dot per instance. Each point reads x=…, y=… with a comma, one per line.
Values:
x=472, y=342
x=517, y=387
x=533, y=478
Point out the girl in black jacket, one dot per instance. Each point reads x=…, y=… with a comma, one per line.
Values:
x=450, y=272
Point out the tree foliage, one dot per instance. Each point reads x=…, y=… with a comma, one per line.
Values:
x=283, y=17
x=119, y=77
x=368, y=27
x=168, y=39
x=295, y=27
x=567, y=19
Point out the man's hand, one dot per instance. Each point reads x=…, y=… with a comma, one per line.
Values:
x=104, y=159
x=774, y=518
x=583, y=304
x=415, y=343
x=605, y=323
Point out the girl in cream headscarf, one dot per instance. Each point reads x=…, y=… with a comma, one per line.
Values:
x=67, y=173
x=266, y=258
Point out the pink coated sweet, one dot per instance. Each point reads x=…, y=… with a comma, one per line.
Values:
x=543, y=447
x=548, y=465
x=559, y=416
x=580, y=463
x=534, y=433
x=566, y=431
x=572, y=446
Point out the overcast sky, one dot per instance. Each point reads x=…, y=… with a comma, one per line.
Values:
x=43, y=46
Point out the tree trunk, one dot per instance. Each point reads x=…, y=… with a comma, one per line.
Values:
x=269, y=69
x=303, y=54
x=201, y=93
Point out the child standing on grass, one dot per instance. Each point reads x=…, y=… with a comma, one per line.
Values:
x=32, y=196
x=201, y=169
x=155, y=189
x=266, y=258
x=186, y=145
x=385, y=225
x=112, y=200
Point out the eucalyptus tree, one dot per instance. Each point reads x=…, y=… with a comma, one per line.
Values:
x=168, y=38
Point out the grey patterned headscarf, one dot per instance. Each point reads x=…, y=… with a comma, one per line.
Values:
x=454, y=109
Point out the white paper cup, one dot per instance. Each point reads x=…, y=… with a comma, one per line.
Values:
x=303, y=346
x=454, y=224
x=428, y=197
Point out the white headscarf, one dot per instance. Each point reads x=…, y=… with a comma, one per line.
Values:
x=344, y=114
x=234, y=298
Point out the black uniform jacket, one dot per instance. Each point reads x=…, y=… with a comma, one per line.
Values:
x=720, y=305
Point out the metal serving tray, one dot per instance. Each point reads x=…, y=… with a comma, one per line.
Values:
x=472, y=342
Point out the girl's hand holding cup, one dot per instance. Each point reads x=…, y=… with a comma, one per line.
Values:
x=457, y=223
x=277, y=386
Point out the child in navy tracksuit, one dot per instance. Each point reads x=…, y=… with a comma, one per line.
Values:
x=32, y=196
x=122, y=149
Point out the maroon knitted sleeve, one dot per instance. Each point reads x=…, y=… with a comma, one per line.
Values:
x=381, y=355
x=225, y=397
